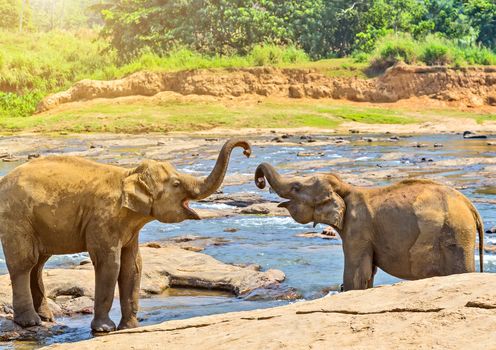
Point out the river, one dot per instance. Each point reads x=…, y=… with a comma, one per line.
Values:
x=310, y=264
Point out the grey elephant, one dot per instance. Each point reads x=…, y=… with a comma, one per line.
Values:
x=412, y=229
x=66, y=205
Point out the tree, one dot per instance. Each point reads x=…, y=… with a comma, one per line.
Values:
x=482, y=14
x=10, y=14
x=209, y=26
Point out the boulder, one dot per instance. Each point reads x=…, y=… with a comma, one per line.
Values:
x=163, y=267
x=452, y=312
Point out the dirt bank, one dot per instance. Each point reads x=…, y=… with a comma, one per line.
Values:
x=454, y=312
x=463, y=86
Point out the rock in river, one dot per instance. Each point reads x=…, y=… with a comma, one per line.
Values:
x=169, y=266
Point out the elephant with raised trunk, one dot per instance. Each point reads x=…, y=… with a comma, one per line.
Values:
x=67, y=205
x=412, y=229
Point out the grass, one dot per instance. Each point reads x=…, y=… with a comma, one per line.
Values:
x=334, y=67
x=57, y=60
x=369, y=115
x=431, y=50
x=143, y=116
x=184, y=115
x=485, y=117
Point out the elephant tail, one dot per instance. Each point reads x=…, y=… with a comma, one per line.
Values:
x=480, y=230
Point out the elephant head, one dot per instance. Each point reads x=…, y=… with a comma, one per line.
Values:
x=310, y=199
x=156, y=189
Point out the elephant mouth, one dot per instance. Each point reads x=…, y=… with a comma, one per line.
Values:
x=191, y=213
x=284, y=204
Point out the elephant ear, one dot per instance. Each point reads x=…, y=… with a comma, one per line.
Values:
x=330, y=209
x=136, y=193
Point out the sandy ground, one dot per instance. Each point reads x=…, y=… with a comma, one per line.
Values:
x=454, y=312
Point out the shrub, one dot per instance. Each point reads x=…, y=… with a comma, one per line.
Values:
x=272, y=55
x=392, y=49
x=13, y=105
x=436, y=51
x=479, y=55
x=266, y=55
x=360, y=57
x=292, y=54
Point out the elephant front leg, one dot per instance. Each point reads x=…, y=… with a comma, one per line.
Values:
x=107, y=264
x=38, y=290
x=21, y=256
x=358, y=268
x=129, y=285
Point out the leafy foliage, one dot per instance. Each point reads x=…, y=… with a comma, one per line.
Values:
x=431, y=50
x=10, y=11
x=187, y=34
x=13, y=105
x=322, y=28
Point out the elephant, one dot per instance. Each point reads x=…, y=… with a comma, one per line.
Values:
x=66, y=205
x=412, y=229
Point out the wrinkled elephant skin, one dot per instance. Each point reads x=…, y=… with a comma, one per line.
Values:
x=412, y=229
x=66, y=205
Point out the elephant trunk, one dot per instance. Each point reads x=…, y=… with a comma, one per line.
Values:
x=267, y=171
x=205, y=187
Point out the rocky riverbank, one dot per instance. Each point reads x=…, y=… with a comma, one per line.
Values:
x=454, y=312
x=71, y=290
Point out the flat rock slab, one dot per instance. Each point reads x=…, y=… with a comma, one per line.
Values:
x=163, y=267
x=453, y=312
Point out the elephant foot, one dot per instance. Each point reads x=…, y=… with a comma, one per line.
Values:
x=102, y=325
x=45, y=314
x=130, y=323
x=27, y=319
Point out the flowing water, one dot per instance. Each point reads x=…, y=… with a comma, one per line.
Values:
x=310, y=264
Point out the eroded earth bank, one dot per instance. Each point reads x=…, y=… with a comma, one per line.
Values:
x=471, y=86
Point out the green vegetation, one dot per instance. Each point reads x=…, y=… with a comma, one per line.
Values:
x=322, y=28
x=63, y=41
x=184, y=59
x=58, y=59
x=369, y=115
x=432, y=50
x=55, y=60
x=148, y=115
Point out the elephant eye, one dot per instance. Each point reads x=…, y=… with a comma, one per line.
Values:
x=176, y=183
x=296, y=187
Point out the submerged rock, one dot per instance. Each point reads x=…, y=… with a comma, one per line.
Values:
x=473, y=135
x=491, y=230
x=9, y=330
x=196, y=243
x=327, y=233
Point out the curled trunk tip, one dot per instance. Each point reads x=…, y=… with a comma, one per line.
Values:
x=266, y=172
x=260, y=176
x=239, y=143
x=214, y=180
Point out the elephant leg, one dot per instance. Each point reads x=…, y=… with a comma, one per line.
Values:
x=38, y=290
x=370, y=282
x=358, y=268
x=129, y=285
x=107, y=264
x=21, y=256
